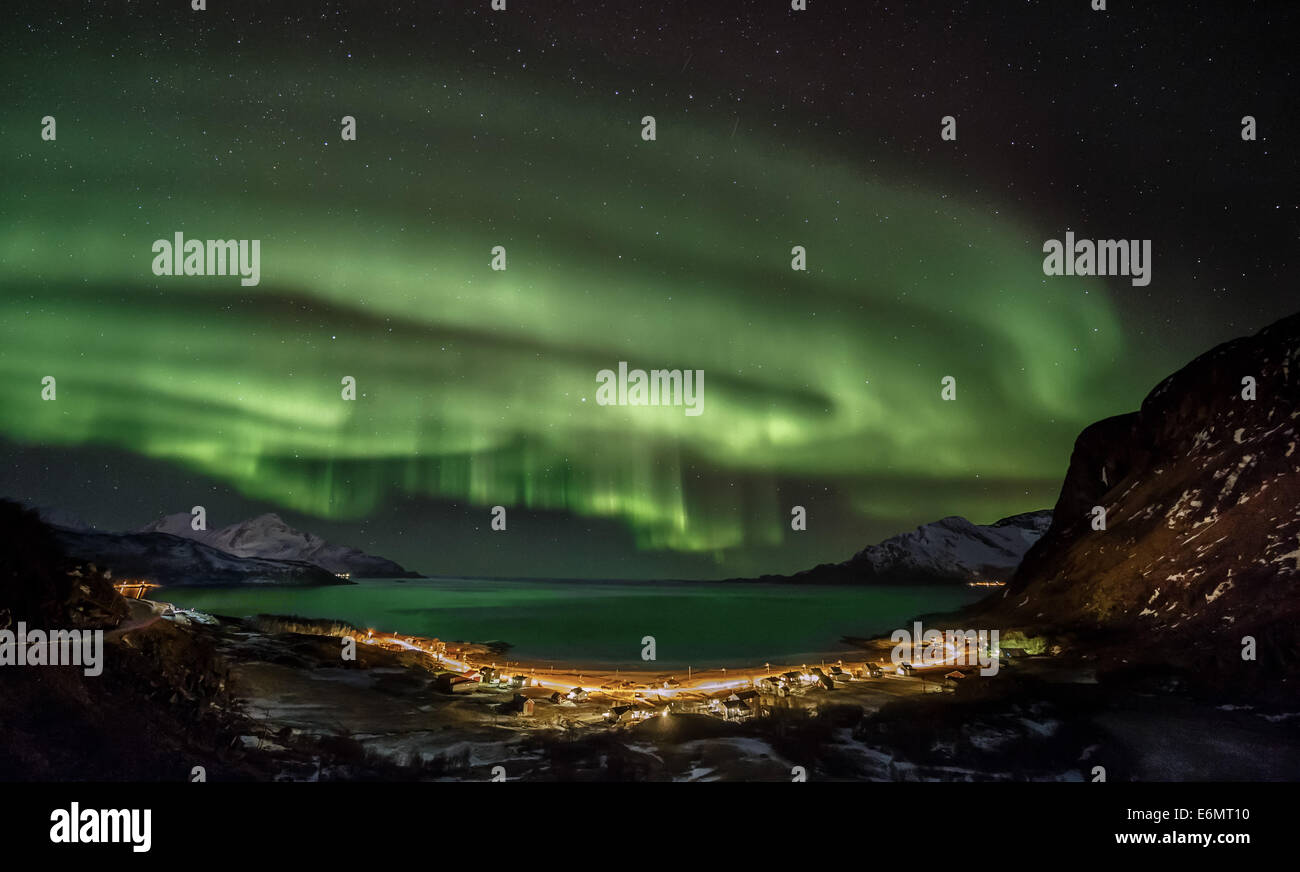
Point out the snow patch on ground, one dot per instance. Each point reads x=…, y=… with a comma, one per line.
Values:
x=1222, y=587
x=1231, y=481
x=1183, y=507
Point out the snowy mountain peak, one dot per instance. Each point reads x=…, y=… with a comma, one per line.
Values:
x=951, y=550
x=267, y=536
x=955, y=548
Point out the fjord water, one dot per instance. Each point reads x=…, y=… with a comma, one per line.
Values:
x=602, y=623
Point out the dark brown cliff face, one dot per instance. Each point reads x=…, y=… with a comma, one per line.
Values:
x=40, y=586
x=1201, y=489
x=160, y=705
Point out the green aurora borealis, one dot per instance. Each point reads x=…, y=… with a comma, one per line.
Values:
x=477, y=387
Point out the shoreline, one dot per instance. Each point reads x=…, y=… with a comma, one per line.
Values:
x=843, y=646
x=663, y=684
x=648, y=682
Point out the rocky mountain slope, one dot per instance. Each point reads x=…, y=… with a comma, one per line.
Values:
x=948, y=551
x=1201, y=489
x=269, y=537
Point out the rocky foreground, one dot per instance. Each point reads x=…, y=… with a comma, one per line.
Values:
x=274, y=700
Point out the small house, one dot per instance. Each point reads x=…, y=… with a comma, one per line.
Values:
x=450, y=682
x=520, y=705
x=620, y=713
x=822, y=679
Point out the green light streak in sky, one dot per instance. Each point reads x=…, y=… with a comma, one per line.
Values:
x=480, y=386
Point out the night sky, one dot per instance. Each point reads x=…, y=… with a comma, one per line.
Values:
x=523, y=129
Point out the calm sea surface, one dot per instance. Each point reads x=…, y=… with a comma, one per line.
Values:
x=602, y=623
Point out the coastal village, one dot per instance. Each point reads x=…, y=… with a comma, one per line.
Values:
x=553, y=694
x=306, y=699
x=312, y=699
x=549, y=695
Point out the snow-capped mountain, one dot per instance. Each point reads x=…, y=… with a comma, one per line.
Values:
x=173, y=561
x=948, y=551
x=955, y=548
x=268, y=537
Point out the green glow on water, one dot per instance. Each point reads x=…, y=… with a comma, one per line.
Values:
x=598, y=623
